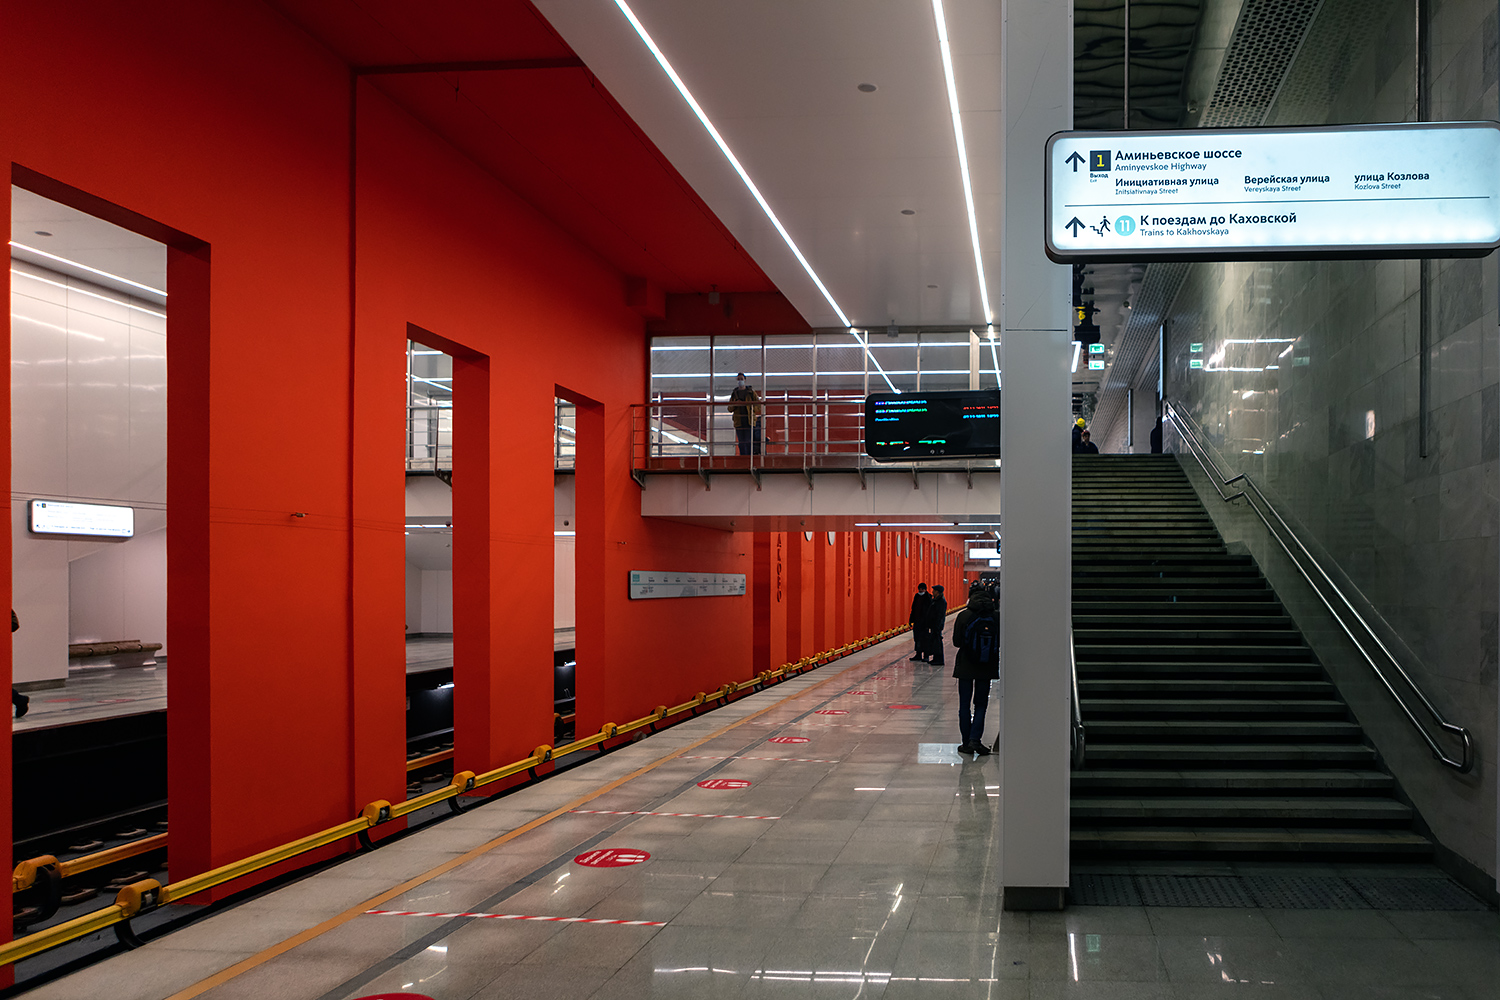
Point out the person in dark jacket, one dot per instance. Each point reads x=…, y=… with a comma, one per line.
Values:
x=935, y=617
x=974, y=672
x=1085, y=446
x=1078, y=426
x=918, y=620
x=18, y=701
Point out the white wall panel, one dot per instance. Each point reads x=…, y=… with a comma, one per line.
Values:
x=88, y=412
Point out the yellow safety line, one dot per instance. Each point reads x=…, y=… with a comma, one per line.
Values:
x=245, y=965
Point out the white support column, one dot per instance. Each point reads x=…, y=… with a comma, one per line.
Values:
x=1036, y=474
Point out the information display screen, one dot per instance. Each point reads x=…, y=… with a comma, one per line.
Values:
x=917, y=425
x=54, y=517
x=1413, y=190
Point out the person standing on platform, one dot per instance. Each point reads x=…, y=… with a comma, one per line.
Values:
x=918, y=621
x=976, y=635
x=936, y=616
x=18, y=701
x=1085, y=446
x=744, y=413
x=1078, y=426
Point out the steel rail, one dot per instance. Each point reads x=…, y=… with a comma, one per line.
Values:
x=1201, y=453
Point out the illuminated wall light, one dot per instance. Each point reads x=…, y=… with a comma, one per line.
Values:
x=1077, y=349
x=92, y=270
x=83, y=291
x=734, y=162
x=963, y=157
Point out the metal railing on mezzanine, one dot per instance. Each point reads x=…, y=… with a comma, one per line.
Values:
x=791, y=435
x=1328, y=592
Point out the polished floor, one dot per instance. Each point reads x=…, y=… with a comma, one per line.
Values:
x=854, y=856
x=97, y=693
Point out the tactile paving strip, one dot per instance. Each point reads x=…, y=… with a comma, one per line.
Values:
x=1416, y=894
x=1198, y=890
x=1279, y=892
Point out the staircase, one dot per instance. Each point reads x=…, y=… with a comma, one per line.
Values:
x=1213, y=732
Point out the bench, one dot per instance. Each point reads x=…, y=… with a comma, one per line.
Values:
x=113, y=653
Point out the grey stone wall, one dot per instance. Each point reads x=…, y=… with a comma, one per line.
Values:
x=1316, y=395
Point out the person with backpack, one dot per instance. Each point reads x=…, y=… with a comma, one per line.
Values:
x=933, y=620
x=976, y=634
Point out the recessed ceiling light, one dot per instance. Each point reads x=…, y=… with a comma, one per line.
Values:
x=866, y=88
x=41, y=232
x=908, y=211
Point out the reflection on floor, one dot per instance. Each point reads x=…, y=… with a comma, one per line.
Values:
x=818, y=839
x=98, y=693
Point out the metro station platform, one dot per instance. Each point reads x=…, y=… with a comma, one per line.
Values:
x=820, y=838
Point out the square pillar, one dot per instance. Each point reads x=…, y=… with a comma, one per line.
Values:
x=1036, y=471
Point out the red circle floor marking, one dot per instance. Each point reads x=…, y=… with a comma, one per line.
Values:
x=723, y=783
x=611, y=857
x=831, y=711
x=787, y=739
x=906, y=706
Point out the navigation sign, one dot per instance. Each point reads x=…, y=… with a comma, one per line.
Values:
x=611, y=857
x=55, y=517
x=1075, y=159
x=647, y=584
x=943, y=424
x=1402, y=190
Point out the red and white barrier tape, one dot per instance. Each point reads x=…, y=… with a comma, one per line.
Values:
x=647, y=812
x=516, y=916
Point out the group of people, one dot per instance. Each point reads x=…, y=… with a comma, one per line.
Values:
x=928, y=612
x=1081, y=443
x=976, y=664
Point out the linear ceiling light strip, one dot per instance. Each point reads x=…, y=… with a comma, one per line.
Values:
x=713, y=132
x=963, y=155
x=92, y=270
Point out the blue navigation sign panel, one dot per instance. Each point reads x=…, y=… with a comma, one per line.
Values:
x=1412, y=190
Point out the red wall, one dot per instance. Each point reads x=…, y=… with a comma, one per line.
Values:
x=304, y=262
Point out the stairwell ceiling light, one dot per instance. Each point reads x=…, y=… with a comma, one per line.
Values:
x=734, y=161
x=963, y=154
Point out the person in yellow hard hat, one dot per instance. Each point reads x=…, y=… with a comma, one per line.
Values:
x=1078, y=426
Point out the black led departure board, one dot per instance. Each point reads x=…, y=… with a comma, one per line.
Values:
x=917, y=425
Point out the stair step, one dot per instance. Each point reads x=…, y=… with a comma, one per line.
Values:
x=1157, y=636
x=1214, y=687
x=1122, y=653
x=1175, y=841
x=1189, y=671
x=1333, y=755
x=1106, y=730
x=1335, y=809
x=1184, y=619
x=1145, y=709
x=1158, y=780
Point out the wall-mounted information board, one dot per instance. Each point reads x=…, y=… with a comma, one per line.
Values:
x=646, y=584
x=1412, y=190
x=54, y=517
x=916, y=425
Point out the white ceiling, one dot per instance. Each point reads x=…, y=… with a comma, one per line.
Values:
x=85, y=240
x=778, y=78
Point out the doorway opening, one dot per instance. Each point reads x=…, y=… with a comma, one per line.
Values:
x=564, y=570
x=88, y=362
x=429, y=567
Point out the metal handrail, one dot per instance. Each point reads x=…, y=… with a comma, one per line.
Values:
x=1201, y=452
x=1080, y=740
